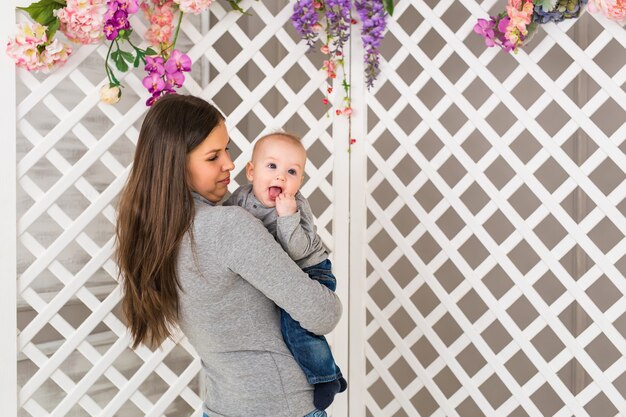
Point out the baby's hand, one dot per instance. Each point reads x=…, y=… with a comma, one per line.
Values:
x=286, y=204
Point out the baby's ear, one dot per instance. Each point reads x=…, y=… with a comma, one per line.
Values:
x=250, y=171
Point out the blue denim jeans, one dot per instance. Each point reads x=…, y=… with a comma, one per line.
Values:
x=316, y=413
x=311, y=351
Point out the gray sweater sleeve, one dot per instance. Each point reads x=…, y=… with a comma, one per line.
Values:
x=296, y=233
x=247, y=249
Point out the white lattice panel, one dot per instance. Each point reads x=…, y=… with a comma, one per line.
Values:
x=495, y=220
x=73, y=157
x=492, y=223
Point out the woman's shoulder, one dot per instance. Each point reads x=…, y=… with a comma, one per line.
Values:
x=229, y=217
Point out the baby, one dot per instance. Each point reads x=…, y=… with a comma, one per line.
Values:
x=276, y=173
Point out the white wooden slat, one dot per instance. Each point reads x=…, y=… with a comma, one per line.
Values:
x=80, y=167
x=70, y=344
x=589, y=306
x=59, y=378
x=8, y=218
x=99, y=368
x=174, y=390
x=65, y=294
x=40, y=89
x=132, y=385
x=536, y=186
x=112, y=374
x=531, y=124
x=358, y=225
x=559, y=250
x=603, y=263
x=77, y=226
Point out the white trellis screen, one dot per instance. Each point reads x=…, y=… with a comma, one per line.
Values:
x=494, y=221
x=482, y=269
x=73, y=156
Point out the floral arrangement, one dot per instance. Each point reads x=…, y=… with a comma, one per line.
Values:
x=513, y=28
x=329, y=21
x=35, y=47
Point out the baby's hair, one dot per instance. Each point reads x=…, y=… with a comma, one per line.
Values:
x=289, y=136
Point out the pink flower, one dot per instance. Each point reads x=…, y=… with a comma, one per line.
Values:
x=325, y=49
x=30, y=49
x=82, y=20
x=329, y=66
x=193, y=6
x=520, y=13
x=174, y=79
x=347, y=111
x=154, y=83
x=612, y=9
x=129, y=6
x=155, y=64
x=55, y=55
x=161, y=17
x=178, y=62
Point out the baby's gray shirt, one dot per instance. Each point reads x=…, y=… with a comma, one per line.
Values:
x=296, y=233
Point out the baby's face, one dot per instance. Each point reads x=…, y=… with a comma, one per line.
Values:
x=277, y=167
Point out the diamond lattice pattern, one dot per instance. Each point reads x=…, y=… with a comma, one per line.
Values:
x=74, y=155
x=496, y=220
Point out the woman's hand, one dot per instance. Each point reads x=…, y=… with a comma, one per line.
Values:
x=286, y=204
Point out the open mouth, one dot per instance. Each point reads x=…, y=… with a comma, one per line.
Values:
x=274, y=192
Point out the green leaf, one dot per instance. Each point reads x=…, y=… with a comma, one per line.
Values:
x=43, y=11
x=129, y=57
x=389, y=6
x=115, y=80
x=52, y=28
x=114, y=55
x=121, y=64
x=150, y=51
x=138, y=59
x=546, y=5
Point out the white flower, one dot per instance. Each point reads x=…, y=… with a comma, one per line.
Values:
x=110, y=95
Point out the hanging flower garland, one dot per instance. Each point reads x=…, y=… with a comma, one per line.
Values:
x=35, y=47
x=512, y=29
x=330, y=21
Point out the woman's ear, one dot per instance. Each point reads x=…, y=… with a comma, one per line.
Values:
x=250, y=171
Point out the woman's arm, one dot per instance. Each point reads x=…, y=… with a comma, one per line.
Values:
x=248, y=249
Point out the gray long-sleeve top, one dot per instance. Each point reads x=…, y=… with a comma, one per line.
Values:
x=296, y=233
x=231, y=288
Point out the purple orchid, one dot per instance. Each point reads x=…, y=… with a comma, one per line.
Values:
x=174, y=79
x=154, y=83
x=178, y=62
x=165, y=76
x=116, y=17
x=154, y=64
x=486, y=28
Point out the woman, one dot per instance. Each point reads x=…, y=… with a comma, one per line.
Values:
x=214, y=271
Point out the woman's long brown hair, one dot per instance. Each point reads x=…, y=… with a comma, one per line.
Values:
x=155, y=210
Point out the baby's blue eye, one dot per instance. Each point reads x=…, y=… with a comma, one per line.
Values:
x=271, y=165
x=292, y=172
